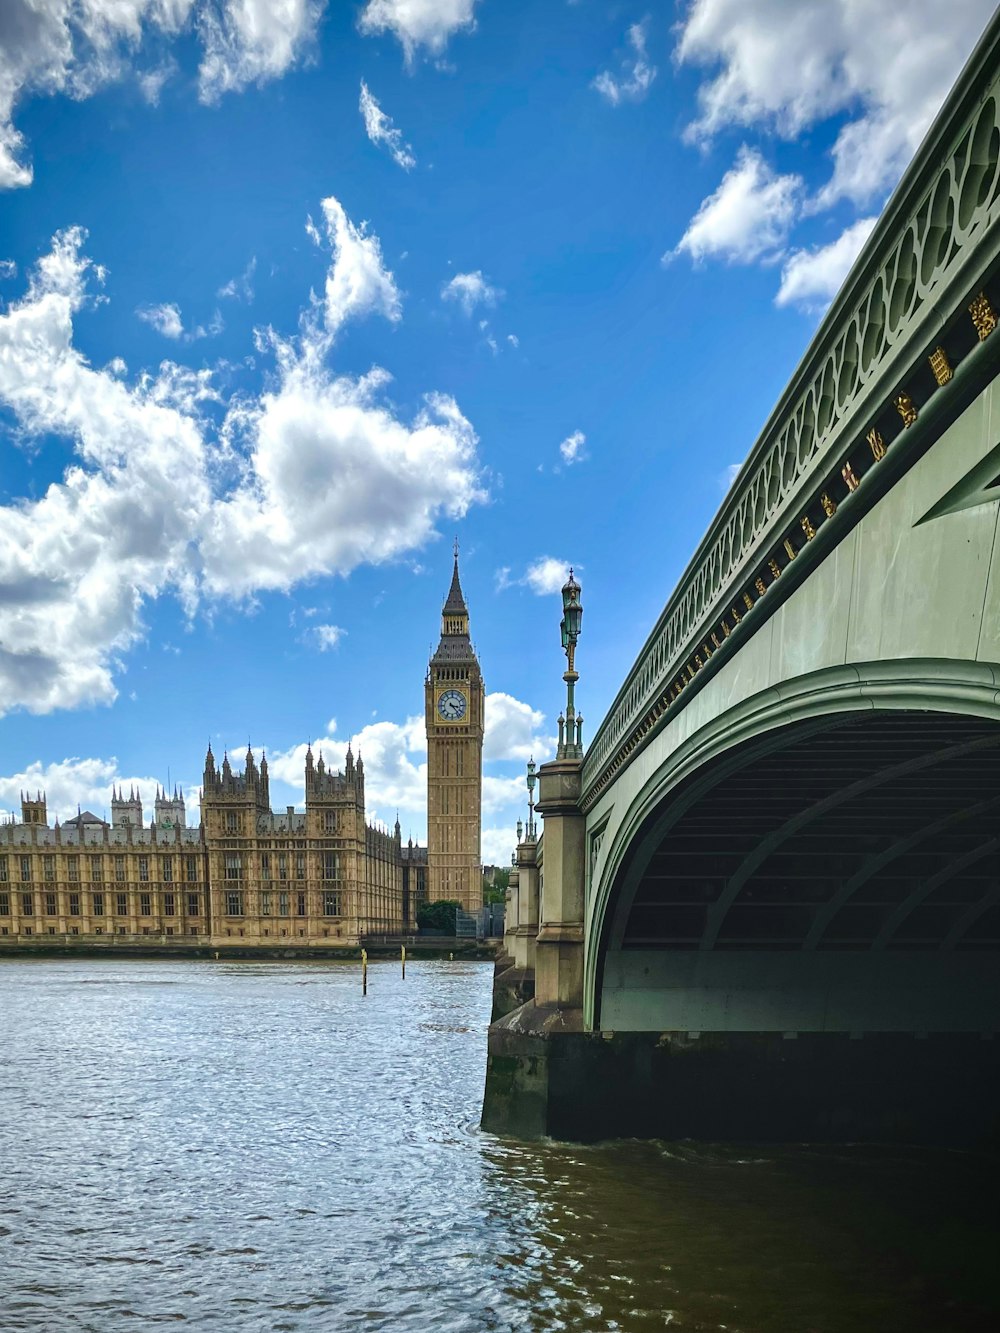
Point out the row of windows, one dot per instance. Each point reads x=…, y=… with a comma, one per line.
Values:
x=99, y=930
x=234, y=865
x=235, y=821
x=170, y=866
x=271, y=904
x=283, y=902
x=102, y=904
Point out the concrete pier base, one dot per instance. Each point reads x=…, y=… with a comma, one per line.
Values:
x=547, y=1077
x=512, y=987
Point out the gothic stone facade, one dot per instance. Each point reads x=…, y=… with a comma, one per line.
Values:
x=245, y=876
x=251, y=876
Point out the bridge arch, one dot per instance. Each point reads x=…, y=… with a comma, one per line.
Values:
x=851, y=811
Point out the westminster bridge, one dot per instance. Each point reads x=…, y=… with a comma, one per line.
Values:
x=767, y=897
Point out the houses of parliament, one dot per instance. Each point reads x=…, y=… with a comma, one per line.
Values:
x=250, y=875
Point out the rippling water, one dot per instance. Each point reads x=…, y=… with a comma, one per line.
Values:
x=254, y=1146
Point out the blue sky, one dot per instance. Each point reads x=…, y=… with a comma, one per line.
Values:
x=293, y=292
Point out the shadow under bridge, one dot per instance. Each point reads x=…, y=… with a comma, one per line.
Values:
x=840, y=875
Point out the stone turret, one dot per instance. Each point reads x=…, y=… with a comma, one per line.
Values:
x=33, y=810
x=169, y=810
x=252, y=785
x=126, y=812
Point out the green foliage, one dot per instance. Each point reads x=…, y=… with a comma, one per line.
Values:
x=438, y=916
x=495, y=890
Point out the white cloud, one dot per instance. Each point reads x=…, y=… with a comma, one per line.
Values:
x=498, y=844
x=75, y=47
x=252, y=41
x=546, y=575
x=469, y=290
x=335, y=479
x=811, y=278
x=635, y=75
x=166, y=319
x=513, y=339
x=75, y=782
x=241, y=287
x=416, y=23
x=8, y=268
x=327, y=636
x=504, y=794
x=747, y=218
x=380, y=129
x=357, y=282
x=153, y=81
x=512, y=730
x=571, y=448
x=787, y=67
x=314, y=476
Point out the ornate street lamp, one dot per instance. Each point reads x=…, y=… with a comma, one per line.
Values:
x=531, y=799
x=570, y=726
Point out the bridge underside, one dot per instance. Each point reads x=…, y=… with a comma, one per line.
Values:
x=842, y=877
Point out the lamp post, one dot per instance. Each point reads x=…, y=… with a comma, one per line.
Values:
x=531, y=800
x=570, y=726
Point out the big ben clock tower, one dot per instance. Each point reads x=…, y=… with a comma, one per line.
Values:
x=454, y=697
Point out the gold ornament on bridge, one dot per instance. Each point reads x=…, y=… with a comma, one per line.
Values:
x=760, y=586
x=808, y=528
x=847, y=472
x=940, y=365
x=748, y=599
x=775, y=569
x=906, y=409
x=736, y=615
x=726, y=631
x=877, y=444
x=697, y=660
x=983, y=316
x=790, y=550
x=715, y=640
x=829, y=506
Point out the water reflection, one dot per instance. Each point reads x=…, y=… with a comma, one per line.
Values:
x=253, y=1146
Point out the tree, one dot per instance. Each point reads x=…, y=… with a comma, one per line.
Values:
x=439, y=916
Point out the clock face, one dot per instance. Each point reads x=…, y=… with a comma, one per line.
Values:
x=451, y=705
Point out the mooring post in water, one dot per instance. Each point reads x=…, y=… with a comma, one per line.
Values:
x=364, y=971
x=402, y=955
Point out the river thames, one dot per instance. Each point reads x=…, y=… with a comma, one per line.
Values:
x=244, y=1146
